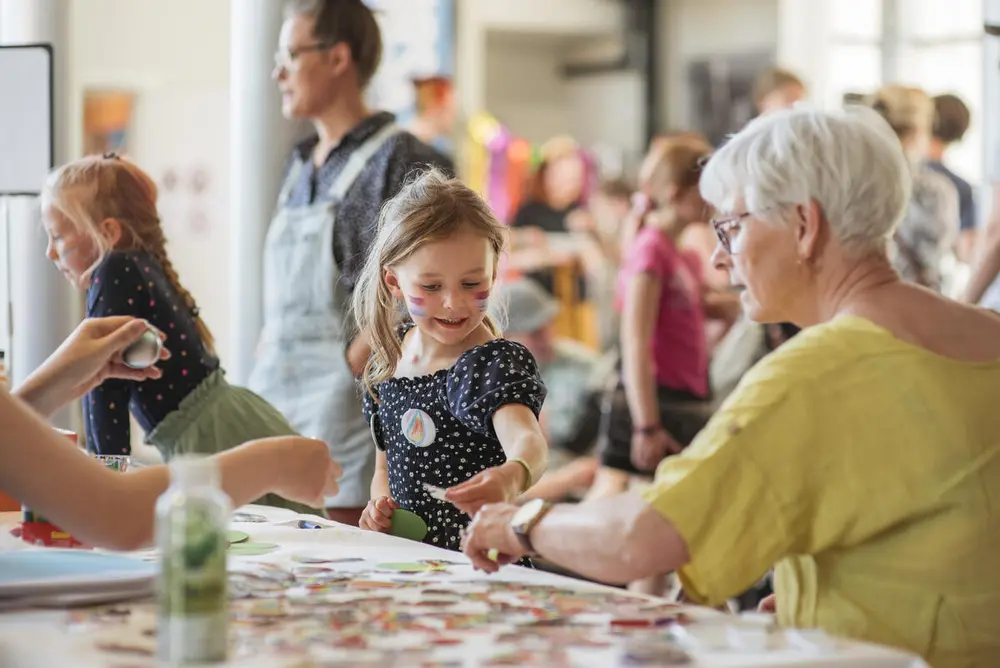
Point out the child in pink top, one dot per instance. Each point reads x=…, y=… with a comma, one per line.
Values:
x=663, y=343
x=678, y=347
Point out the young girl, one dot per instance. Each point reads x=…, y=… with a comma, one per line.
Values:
x=451, y=404
x=105, y=237
x=663, y=341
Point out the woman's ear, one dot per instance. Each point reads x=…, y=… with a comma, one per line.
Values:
x=809, y=224
x=392, y=282
x=111, y=231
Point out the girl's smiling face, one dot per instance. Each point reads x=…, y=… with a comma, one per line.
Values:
x=446, y=285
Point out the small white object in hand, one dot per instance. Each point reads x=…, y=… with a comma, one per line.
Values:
x=435, y=492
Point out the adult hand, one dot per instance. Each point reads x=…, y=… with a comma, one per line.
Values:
x=88, y=357
x=649, y=449
x=498, y=484
x=377, y=515
x=308, y=473
x=490, y=530
x=93, y=352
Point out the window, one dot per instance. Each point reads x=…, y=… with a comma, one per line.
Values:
x=941, y=51
x=855, y=55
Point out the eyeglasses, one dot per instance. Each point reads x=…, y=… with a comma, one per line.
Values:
x=285, y=59
x=724, y=227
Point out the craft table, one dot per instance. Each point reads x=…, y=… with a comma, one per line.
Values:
x=339, y=596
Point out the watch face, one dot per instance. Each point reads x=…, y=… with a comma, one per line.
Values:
x=527, y=512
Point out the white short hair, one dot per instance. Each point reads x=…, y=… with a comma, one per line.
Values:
x=849, y=161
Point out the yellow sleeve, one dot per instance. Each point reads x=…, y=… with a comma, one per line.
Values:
x=729, y=494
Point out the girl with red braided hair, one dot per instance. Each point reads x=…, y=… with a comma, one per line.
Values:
x=105, y=236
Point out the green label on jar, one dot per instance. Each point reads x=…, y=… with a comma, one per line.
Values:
x=193, y=569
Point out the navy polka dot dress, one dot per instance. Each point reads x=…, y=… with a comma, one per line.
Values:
x=438, y=428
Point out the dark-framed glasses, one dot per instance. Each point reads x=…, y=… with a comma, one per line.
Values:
x=285, y=59
x=726, y=228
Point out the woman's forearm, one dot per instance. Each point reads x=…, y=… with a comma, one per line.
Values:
x=615, y=540
x=43, y=392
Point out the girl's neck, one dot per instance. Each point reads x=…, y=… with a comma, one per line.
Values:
x=424, y=354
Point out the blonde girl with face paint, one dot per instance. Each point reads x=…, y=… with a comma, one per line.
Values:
x=452, y=405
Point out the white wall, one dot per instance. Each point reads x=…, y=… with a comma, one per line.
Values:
x=693, y=28
x=524, y=88
x=476, y=19
x=174, y=55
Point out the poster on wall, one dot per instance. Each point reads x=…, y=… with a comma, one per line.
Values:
x=107, y=117
x=721, y=92
x=418, y=43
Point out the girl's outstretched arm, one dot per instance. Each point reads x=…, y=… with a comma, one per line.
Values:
x=107, y=509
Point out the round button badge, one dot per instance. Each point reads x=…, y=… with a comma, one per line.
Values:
x=418, y=427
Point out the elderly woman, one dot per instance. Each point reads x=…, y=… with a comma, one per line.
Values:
x=861, y=459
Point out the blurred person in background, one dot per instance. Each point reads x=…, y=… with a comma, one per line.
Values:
x=575, y=377
x=777, y=88
x=931, y=223
x=543, y=227
x=664, y=352
x=437, y=112
x=609, y=207
x=951, y=122
x=309, y=353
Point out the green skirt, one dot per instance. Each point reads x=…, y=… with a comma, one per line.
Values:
x=217, y=416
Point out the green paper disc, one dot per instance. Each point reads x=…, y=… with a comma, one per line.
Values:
x=252, y=549
x=408, y=525
x=237, y=536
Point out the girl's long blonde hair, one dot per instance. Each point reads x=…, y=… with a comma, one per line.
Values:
x=96, y=188
x=430, y=208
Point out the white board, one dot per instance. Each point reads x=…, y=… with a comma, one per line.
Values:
x=26, y=153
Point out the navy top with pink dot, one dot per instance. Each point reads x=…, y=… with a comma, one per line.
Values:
x=133, y=283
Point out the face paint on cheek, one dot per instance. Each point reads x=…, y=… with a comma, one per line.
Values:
x=416, y=306
x=483, y=300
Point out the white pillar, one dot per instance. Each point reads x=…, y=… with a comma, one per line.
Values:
x=44, y=306
x=803, y=43
x=991, y=100
x=260, y=143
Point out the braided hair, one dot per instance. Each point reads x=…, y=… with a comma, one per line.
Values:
x=101, y=187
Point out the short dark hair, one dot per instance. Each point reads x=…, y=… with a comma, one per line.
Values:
x=951, y=118
x=349, y=21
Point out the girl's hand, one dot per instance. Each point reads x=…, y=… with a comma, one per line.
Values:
x=306, y=473
x=499, y=484
x=377, y=515
x=649, y=449
x=768, y=604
